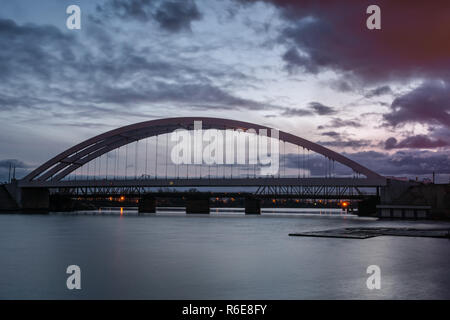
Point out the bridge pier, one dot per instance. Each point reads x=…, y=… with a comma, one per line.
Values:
x=368, y=207
x=147, y=204
x=7, y=202
x=61, y=203
x=252, y=206
x=35, y=199
x=197, y=205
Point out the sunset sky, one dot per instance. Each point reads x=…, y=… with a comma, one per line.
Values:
x=311, y=68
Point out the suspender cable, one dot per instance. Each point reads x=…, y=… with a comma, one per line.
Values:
x=167, y=150
x=100, y=166
x=107, y=165
x=116, y=163
x=136, y=149
x=156, y=154
x=304, y=168
x=94, y=164
x=146, y=157
x=284, y=159
x=126, y=161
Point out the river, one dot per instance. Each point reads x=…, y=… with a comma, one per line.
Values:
x=225, y=255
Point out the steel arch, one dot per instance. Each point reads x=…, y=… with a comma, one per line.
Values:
x=68, y=161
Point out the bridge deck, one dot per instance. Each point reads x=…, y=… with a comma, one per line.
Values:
x=208, y=182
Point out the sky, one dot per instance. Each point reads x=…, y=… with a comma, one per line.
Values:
x=311, y=68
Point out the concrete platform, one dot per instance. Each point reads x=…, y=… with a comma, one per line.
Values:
x=403, y=211
x=364, y=233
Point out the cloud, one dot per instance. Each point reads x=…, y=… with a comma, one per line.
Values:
x=31, y=49
x=321, y=109
x=403, y=162
x=173, y=16
x=6, y=163
x=20, y=168
x=331, y=134
x=292, y=112
x=379, y=91
x=415, y=142
x=314, y=108
x=348, y=143
x=340, y=123
x=340, y=85
x=177, y=15
x=428, y=104
x=294, y=59
x=324, y=35
x=48, y=74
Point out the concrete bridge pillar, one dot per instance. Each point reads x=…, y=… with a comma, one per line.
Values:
x=61, y=203
x=197, y=205
x=368, y=207
x=252, y=206
x=7, y=202
x=147, y=205
x=35, y=199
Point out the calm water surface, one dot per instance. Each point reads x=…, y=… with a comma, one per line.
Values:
x=225, y=255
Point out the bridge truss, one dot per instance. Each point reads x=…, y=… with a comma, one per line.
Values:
x=92, y=166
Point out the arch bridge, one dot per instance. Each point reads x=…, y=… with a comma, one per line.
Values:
x=136, y=157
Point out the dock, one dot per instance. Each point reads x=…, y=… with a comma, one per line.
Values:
x=365, y=233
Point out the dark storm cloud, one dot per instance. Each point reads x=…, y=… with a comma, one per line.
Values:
x=439, y=133
x=6, y=163
x=321, y=109
x=331, y=134
x=323, y=35
x=397, y=164
x=31, y=49
x=313, y=108
x=379, y=91
x=339, y=141
x=177, y=15
x=403, y=162
x=340, y=85
x=171, y=15
x=427, y=104
x=292, y=112
x=51, y=74
x=348, y=143
x=415, y=142
x=8, y=166
x=412, y=44
x=293, y=60
x=314, y=162
x=198, y=96
x=340, y=123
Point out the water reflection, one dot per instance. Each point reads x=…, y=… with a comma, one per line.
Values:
x=225, y=255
